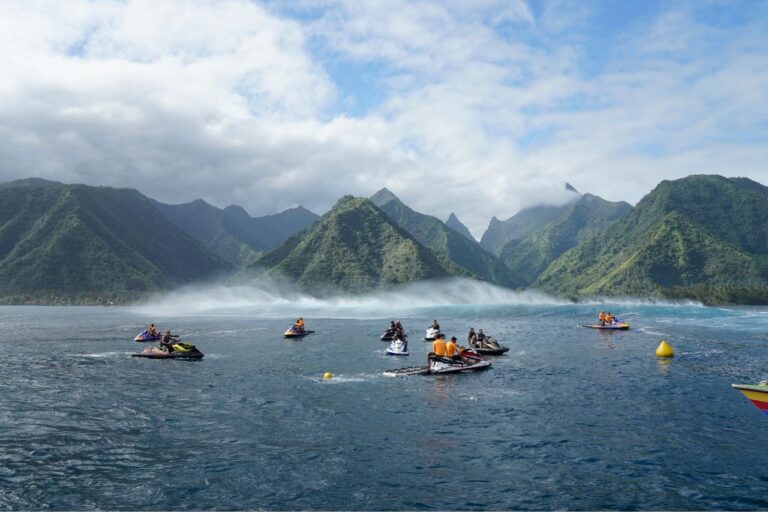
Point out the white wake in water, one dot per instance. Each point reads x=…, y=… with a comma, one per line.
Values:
x=267, y=298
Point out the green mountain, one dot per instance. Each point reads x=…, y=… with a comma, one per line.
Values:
x=449, y=246
x=528, y=256
x=522, y=224
x=231, y=233
x=78, y=244
x=455, y=224
x=354, y=247
x=703, y=237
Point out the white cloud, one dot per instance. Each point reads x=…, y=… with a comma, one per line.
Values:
x=486, y=106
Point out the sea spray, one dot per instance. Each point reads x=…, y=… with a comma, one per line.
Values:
x=633, y=301
x=268, y=298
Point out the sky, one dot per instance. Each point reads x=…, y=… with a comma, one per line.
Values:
x=478, y=107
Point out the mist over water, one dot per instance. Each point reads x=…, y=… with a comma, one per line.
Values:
x=269, y=298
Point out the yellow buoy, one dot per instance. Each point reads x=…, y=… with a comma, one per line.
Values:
x=664, y=350
x=327, y=375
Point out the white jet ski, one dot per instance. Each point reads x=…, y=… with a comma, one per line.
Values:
x=398, y=348
x=467, y=362
x=431, y=333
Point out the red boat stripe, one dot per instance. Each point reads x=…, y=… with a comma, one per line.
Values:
x=763, y=405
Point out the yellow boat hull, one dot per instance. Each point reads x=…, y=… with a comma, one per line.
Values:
x=758, y=394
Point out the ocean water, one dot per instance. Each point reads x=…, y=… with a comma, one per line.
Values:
x=569, y=419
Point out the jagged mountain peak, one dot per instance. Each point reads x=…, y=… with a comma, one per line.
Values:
x=455, y=224
x=383, y=196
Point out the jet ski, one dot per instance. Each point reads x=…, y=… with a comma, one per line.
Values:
x=292, y=333
x=180, y=350
x=145, y=336
x=431, y=333
x=398, y=348
x=490, y=347
x=468, y=361
x=617, y=325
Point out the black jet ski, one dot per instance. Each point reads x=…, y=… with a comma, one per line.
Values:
x=180, y=350
x=489, y=347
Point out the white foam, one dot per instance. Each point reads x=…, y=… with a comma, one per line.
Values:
x=268, y=298
x=630, y=301
x=104, y=355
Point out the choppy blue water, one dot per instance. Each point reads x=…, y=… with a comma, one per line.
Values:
x=569, y=419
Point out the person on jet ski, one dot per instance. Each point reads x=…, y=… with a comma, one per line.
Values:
x=298, y=326
x=438, y=346
x=452, y=351
x=480, y=339
x=152, y=329
x=399, y=334
x=400, y=331
x=167, y=341
x=471, y=337
x=435, y=325
x=601, y=317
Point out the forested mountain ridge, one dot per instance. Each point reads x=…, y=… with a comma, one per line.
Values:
x=703, y=237
x=525, y=222
x=355, y=247
x=233, y=234
x=450, y=246
x=528, y=256
x=81, y=244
